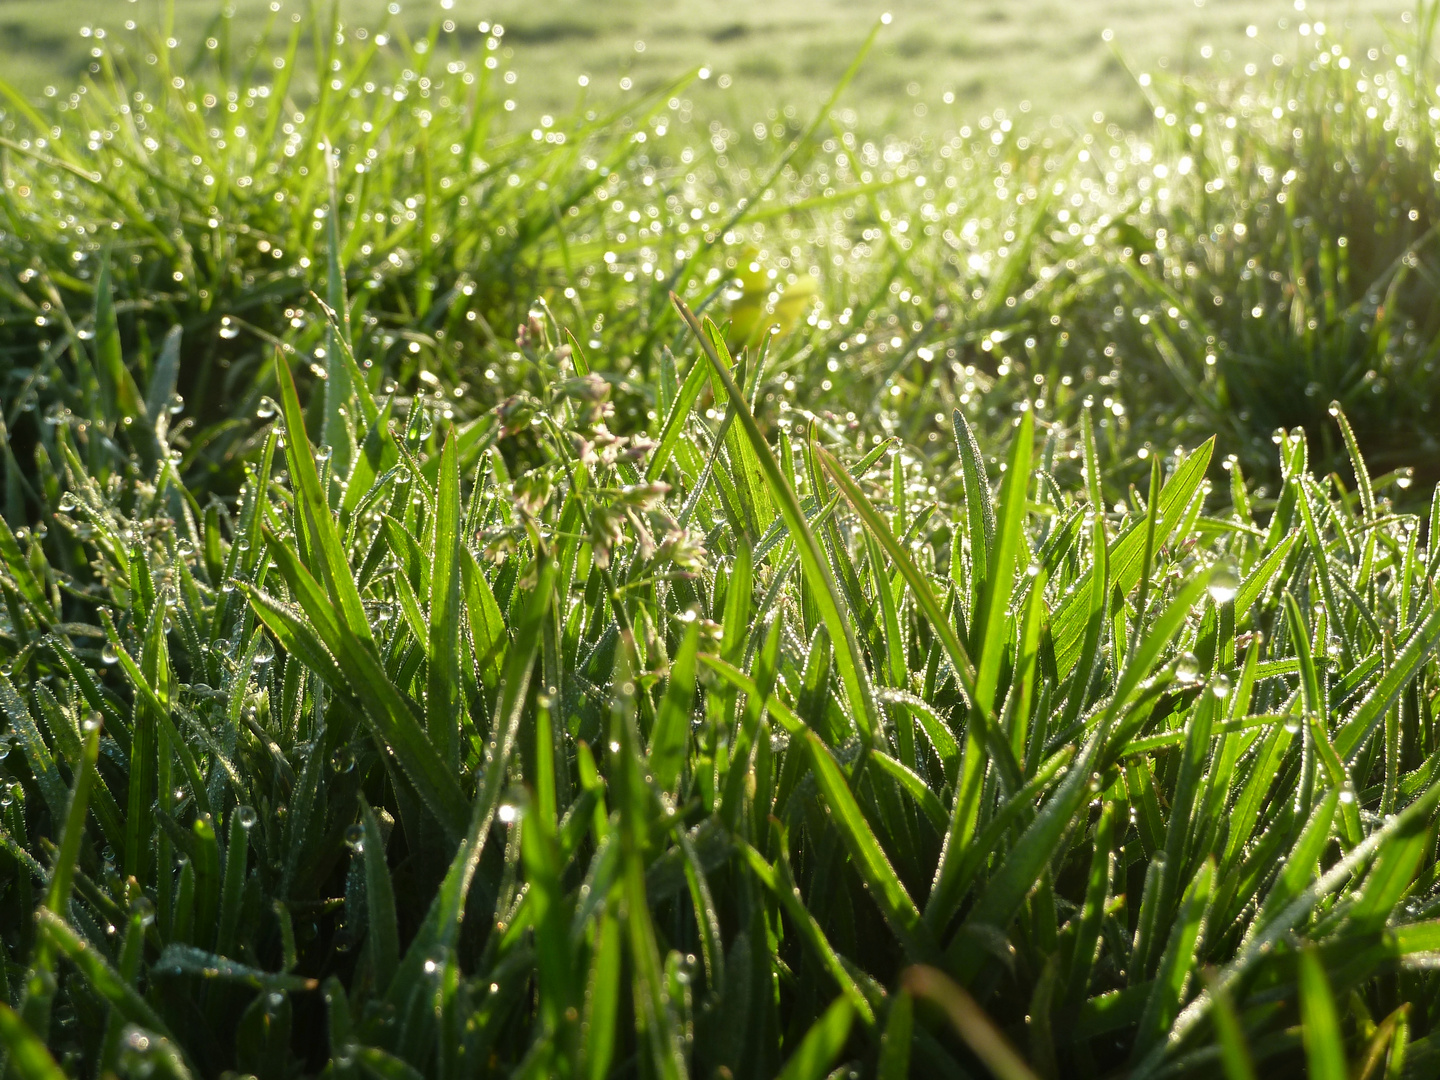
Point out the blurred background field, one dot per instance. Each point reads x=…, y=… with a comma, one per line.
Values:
x=941, y=62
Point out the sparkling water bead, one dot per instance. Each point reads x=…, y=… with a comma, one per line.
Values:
x=1224, y=584
x=1187, y=668
x=246, y=816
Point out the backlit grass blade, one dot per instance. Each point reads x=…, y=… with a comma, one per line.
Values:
x=441, y=927
x=870, y=859
x=822, y=1043
x=1320, y=1021
x=1081, y=959
x=25, y=1051
x=1126, y=553
x=383, y=703
x=991, y=615
x=674, y=425
x=925, y=597
x=853, y=672
x=1388, y=690
x=443, y=702
x=979, y=505
x=384, y=935
x=102, y=978
x=313, y=513
x=894, y=1061
x=670, y=736
x=1173, y=972
x=780, y=881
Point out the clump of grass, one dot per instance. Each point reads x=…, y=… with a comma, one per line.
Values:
x=1287, y=257
x=702, y=750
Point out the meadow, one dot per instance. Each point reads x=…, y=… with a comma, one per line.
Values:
x=649, y=590
x=941, y=64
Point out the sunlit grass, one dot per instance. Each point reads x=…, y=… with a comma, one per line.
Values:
x=447, y=633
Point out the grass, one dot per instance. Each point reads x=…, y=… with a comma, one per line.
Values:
x=932, y=69
x=914, y=690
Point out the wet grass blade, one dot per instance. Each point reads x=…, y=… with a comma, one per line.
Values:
x=853, y=671
x=1320, y=1021
x=822, y=1043
x=443, y=698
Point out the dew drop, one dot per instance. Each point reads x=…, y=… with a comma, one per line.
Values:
x=246, y=816
x=109, y=654
x=355, y=837
x=265, y=652
x=1187, y=668
x=144, y=909
x=343, y=760
x=267, y=409
x=1224, y=584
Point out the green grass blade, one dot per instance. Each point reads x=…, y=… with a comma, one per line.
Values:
x=443, y=698
x=870, y=859
x=822, y=1043
x=979, y=505
x=990, y=620
x=27, y=1056
x=853, y=672
x=670, y=737
x=1320, y=1021
x=384, y=935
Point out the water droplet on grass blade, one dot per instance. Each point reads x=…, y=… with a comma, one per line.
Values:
x=1187, y=668
x=144, y=908
x=265, y=652
x=246, y=816
x=109, y=654
x=355, y=838
x=267, y=409
x=1224, y=584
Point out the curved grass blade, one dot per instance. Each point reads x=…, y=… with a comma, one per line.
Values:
x=854, y=675
x=825, y=1039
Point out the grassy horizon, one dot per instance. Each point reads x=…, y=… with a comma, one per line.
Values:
x=933, y=69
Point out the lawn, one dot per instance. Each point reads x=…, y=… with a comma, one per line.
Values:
x=953, y=60
x=662, y=588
